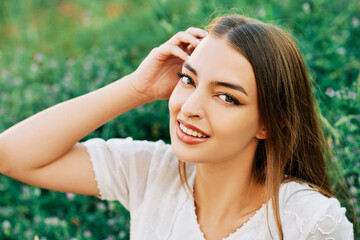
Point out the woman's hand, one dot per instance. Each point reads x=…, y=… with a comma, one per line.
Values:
x=156, y=76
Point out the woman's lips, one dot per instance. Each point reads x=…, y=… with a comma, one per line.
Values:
x=189, y=126
x=187, y=138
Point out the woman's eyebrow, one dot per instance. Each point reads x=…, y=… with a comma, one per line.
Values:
x=229, y=85
x=190, y=68
x=216, y=83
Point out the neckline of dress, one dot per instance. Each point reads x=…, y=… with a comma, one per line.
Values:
x=238, y=230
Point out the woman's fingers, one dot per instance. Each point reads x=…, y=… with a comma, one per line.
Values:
x=175, y=51
x=197, y=32
x=184, y=37
x=182, y=44
x=190, y=36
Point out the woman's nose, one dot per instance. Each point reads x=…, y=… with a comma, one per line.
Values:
x=193, y=106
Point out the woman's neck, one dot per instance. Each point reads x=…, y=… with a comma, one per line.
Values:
x=226, y=190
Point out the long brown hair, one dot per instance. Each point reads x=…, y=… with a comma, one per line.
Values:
x=295, y=144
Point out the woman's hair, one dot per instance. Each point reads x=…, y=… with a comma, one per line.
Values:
x=294, y=146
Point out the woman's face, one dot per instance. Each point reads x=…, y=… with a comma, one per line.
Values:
x=216, y=96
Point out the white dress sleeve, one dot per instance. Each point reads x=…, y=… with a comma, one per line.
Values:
x=313, y=216
x=330, y=223
x=124, y=168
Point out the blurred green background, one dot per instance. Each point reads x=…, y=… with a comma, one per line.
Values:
x=51, y=51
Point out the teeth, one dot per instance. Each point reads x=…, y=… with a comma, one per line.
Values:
x=191, y=132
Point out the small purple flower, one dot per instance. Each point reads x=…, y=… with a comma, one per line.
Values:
x=122, y=234
x=341, y=50
x=353, y=190
x=352, y=200
x=38, y=57
x=111, y=237
x=330, y=92
x=352, y=95
x=261, y=12
x=355, y=21
x=25, y=191
x=100, y=206
x=6, y=224
x=52, y=221
x=306, y=6
x=70, y=196
x=111, y=206
x=29, y=233
x=87, y=233
x=349, y=138
x=37, y=219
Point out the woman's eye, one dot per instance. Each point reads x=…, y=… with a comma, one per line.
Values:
x=186, y=79
x=229, y=99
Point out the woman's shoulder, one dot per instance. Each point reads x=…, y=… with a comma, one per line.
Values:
x=298, y=192
x=120, y=147
x=314, y=213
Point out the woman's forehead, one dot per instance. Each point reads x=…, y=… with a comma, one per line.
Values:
x=215, y=59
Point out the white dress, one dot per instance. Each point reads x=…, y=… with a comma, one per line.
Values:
x=143, y=177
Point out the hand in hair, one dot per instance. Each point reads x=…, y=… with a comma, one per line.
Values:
x=156, y=76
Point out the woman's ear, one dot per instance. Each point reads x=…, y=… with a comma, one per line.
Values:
x=261, y=133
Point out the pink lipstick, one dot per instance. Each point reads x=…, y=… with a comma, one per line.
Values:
x=187, y=138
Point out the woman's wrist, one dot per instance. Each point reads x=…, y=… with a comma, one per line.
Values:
x=138, y=91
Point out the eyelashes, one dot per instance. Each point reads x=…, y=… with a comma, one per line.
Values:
x=186, y=79
x=180, y=75
x=226, y=97
x=229, y=99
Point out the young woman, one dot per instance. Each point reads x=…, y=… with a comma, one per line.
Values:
x=245, y=142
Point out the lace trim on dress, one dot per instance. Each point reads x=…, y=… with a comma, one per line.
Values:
x=323, y=226
x=318, y=228
x=93, y=169
x=245, y=224
x=240, y=228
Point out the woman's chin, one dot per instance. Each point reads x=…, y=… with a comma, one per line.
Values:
x=186, y=155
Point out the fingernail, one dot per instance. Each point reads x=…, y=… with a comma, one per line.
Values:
x=188, y=57
x=197, y=40
x=205, y=34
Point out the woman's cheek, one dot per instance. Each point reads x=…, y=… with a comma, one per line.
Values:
x=177, y=98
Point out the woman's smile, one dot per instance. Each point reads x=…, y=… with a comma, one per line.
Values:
x=189, y=134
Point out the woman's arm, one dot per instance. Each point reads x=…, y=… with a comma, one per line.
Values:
x=43, y=150
x=42, y=146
